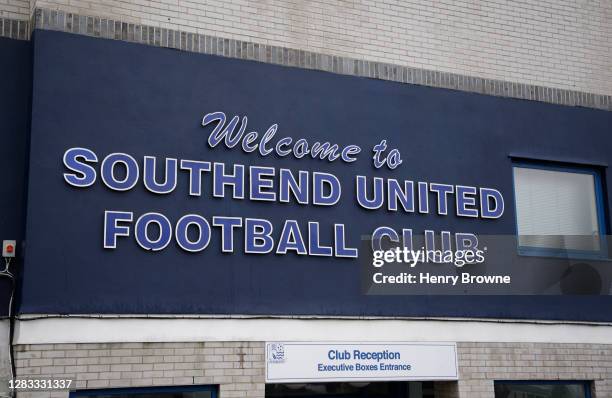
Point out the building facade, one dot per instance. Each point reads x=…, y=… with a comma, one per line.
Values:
x=196, y=189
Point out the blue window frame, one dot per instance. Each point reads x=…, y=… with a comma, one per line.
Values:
x=559, y=210
x=542, y=389
x=196, y=391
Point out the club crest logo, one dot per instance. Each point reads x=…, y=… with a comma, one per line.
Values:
x=276, y=353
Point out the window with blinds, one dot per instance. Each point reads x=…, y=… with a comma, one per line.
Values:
x=557, y=209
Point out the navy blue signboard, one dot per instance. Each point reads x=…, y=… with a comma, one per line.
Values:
x=170, y=182
x=16, y=72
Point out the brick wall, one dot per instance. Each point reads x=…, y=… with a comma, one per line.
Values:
x=5, y=364
x=238, y=367
x=14, y=19
x=555, y=43
x=15, y=9
x=102, y=27
x=481, y=363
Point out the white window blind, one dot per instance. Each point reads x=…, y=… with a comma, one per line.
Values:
x=556, y=209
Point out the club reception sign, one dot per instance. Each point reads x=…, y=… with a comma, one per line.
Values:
x=296, y=362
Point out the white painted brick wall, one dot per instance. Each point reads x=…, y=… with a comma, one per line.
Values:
x=15, y=9
x=482, y=363
x=238, y=367
x=555, y=43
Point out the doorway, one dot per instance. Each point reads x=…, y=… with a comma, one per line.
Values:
x=412, y=389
